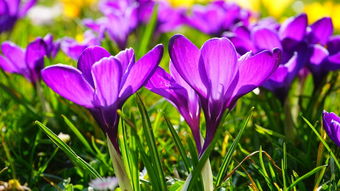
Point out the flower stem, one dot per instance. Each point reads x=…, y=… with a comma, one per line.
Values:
x=119, y=168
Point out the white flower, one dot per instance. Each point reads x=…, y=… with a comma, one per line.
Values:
x=42, y=15
x=108, y=183
x=64, y=137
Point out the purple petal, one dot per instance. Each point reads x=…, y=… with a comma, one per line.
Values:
x=107, y=75
x=266, y=39
x=331, y=124
x=334, y=62
x=69, y=83
x=253, y=71
x=72, y=48
x=88, y=57
x=316, y=60
x=185, y=57
x=333, y=45
x=161, y=83
x=283, y=76
x=13, y=6
x=219, y=60
x=24, y=8
x=6, y=65
x=35, y=53
x=137, y=74
x=294, y=28
x=14, y=54
x=3, y=8
x=321, y=30
x=126, y=57
x=208, y=19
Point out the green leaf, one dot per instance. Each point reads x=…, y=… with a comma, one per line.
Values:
x=78, y=134
x=178, y=144
x=308, y=174
x=146, y=39
x=119, y=168
x=323, y=141
x=130, y=155
x=227, y=158
x=150, y=140
x=191, y=180
x=69, y=152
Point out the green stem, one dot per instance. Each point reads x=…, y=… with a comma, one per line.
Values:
x=119, y=168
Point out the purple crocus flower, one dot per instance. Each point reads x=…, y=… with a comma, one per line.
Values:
x=178, y=92
x=216, y=17
x=102, y=82
x=120, y=19
x=331, y=124
x=324, y=50
x=218, y=76
x=279, y=82
x=52, y=46
x=27, y=63
x=168, y=17
x=73, y=49
x=11, y=11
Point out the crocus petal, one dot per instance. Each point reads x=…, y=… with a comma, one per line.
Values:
x=334, y=62
x=69, y=83
x=3, y=8
x=266, y=39
x=13, y=6
x=140, y=72
x=185, y=57
x=294, y=28
x=35, y=53
x=333, y=45
x=219, y=60
x=316, y=60
x=321, y=30
x=126, y=58
x=187, y=104
x=6, y=65
x=15, y=55
x=163, y=84
x=107, y=74
x=24, y=8
x=253, y=71
x=331, y=124
x=88, y=57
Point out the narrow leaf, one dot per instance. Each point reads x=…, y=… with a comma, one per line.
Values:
x=69, y=152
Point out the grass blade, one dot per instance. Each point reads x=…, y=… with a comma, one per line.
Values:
x=178, y=144
x=78, y=134
x=308, y=174
x=150, y=139
x=227, y=159
x=148, y=32
x=69, y=152
x=323, y=142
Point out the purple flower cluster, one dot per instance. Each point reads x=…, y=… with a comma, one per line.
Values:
x=303, y=46
x=29, y=62
x=11, y=11
x=209, y=79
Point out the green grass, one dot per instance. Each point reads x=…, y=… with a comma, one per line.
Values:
x=154, y=137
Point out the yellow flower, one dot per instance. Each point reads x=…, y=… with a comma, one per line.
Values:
x=187, y=3
x=276, y=8
x=253, y=5
x=316, y=10
x=72, y=8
